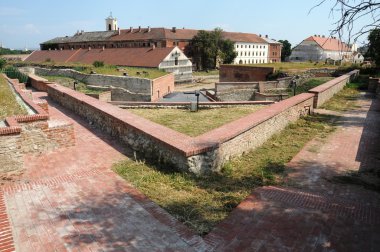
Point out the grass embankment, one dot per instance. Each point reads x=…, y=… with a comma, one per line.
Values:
x=202, y=202
x=194, y=123
x=8, y=103
x=149, y=73
x=69, y=82
x=309, y=84
x=206, y=73
x=296, y=66
x=345, y=99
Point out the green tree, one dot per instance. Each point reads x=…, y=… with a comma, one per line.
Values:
x=207, y=49
x=374, y=46
x=286, y=49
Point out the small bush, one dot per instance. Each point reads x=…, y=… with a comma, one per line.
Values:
x=98, y=64
x=3, y=62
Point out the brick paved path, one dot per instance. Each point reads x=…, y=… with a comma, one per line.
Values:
x=314, y=213
x=70, y=200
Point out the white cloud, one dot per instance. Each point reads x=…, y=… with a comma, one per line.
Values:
x=10, y=11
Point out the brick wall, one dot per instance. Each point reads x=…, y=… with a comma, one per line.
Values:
x=162, y=86
x=31, y=133
x=236, y=73
x=327, y=90
x=103, y=96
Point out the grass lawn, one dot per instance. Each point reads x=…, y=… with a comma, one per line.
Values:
x=296, y=66
x=202, y=202
x=309, y=84
x=194, y=123
x=205, y=73
x=69, y=82
x=8, y=103
x=149, y=73
x=345, y=99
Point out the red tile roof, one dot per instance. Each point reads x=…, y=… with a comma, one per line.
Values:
x=179, y=34
x=137, y=57
x=329, y=44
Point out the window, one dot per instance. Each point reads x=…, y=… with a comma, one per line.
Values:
x=249, y=46
x=176, y=61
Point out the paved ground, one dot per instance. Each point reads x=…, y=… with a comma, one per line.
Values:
x=69, y=200
x=315, y=213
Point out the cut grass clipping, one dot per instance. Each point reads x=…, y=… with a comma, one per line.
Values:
x=202, y=202
x=8, y=104
x=194, y=123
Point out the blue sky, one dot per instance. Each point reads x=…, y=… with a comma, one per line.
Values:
x=28, y=23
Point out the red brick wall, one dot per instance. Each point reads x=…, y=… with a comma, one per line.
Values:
x=274, y=53
x=162, y=86
x=236, y=73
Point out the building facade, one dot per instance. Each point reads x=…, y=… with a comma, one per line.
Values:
x=321, y=48
x=274, y=52
x=251, y=48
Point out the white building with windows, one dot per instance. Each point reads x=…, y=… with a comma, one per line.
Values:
x=251, y=53
x=250, y=48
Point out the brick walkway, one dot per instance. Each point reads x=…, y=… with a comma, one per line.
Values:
x=313, y=213
x=70, y=200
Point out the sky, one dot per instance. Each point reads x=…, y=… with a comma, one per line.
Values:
x=25, y=23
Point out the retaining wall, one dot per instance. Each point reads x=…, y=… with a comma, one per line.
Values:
x=123, y=88
x=327, y=90
x=236, y=91
x=31, y=133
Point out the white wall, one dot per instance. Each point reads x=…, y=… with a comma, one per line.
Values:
x=251, y=53
x=183, y=70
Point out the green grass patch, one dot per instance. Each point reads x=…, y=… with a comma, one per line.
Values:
x=296, y=66
x=149, y=73
x=8, y=103
x=346, y=99
x=309, y=84
x=194, y=123
x=202, y=202
x=206, y=73
x=69, y=82
x=141, y=72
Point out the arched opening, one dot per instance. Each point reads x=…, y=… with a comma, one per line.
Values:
x=109, y=27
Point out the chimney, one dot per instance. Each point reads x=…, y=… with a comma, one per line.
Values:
x=89, y=48
x=139, y=28
x=131, y=29
x=103, y=48
x=118, y=30
x=174, y=29
x=260, y=35
x=153, y=46
x=148, y=28
x=266, y=36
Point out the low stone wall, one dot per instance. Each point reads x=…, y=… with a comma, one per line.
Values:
x=103, y=96
x=31, y=133
x=236, y=91
x=327, y=90
x=199, y=155
x=123, y=88
x=270, y=97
